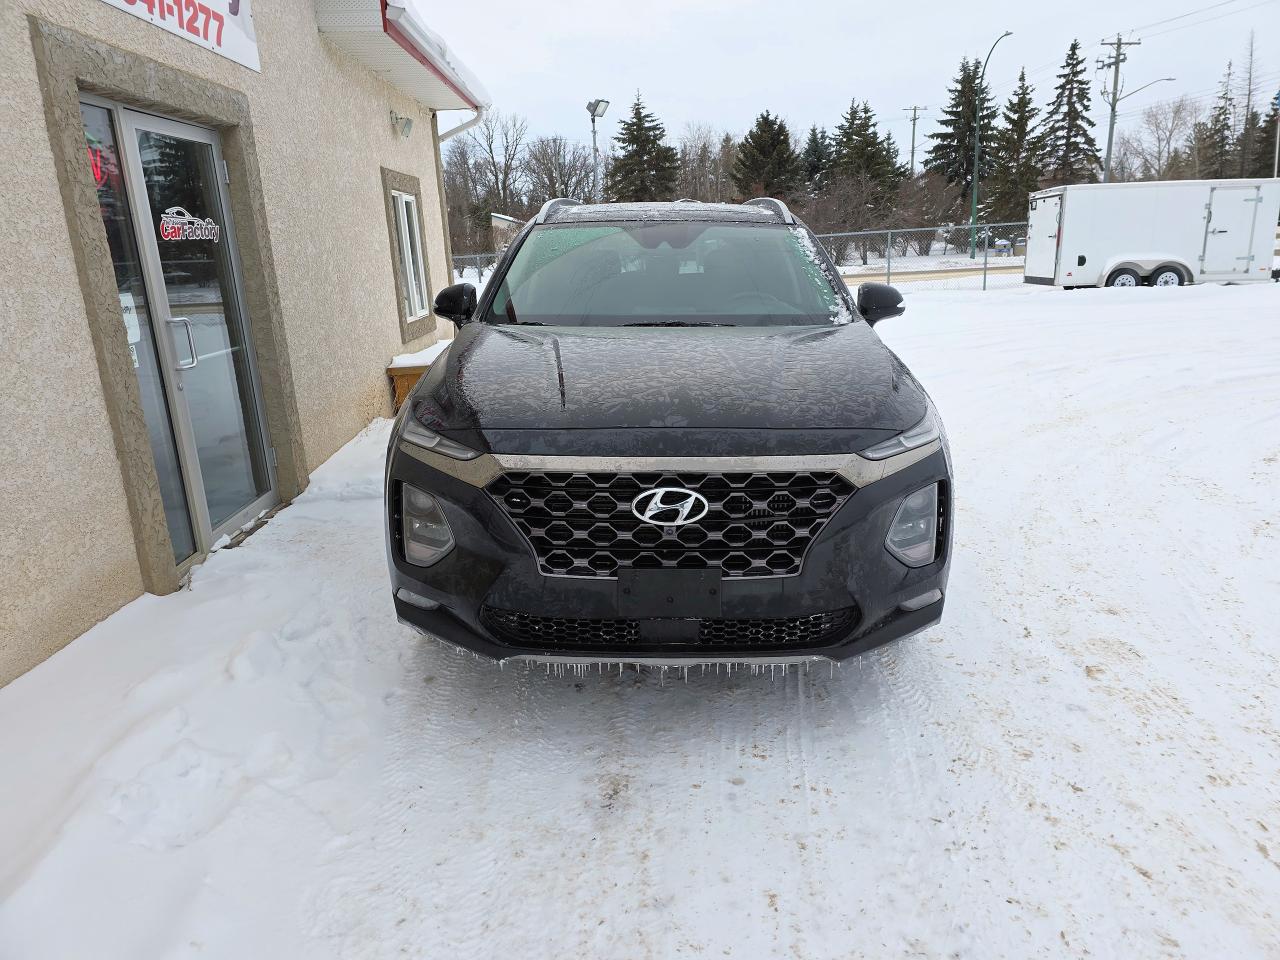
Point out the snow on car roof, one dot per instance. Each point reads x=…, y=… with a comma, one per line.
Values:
x=679, y=210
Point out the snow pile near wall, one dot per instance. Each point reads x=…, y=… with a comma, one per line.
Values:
x=420, y=358
x=1081, y=760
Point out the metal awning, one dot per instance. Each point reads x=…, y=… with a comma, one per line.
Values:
x=391, y=38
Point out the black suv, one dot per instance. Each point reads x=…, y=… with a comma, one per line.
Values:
x=667, y=434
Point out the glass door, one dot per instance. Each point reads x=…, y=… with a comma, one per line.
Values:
x=162, y=193
x=106, y=161
x=189, y=256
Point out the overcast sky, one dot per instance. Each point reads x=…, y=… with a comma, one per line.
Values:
x=723, y=61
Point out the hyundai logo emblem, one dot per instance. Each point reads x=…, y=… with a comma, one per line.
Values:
x=670, y=506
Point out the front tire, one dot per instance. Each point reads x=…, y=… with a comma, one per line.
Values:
x=1167, y=277
x=1124, y=277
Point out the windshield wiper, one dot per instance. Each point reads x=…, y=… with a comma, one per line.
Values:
x=676, y=323
x=510, y=311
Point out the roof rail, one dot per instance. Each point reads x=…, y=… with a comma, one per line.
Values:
x=777, y=206
x=552, y=204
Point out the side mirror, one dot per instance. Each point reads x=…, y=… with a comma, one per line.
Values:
x=876, y=301
x=456, y=303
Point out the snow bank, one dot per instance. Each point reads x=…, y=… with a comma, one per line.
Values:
x=1081, y=760
x=420, y=358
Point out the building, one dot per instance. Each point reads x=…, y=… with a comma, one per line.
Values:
x=220, y=222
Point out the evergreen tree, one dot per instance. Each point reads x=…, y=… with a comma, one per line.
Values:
x=766, y=163
x=888, y=162
x=725, y=158
x=1216, y=140
x=1016, y=152
x=951, y=154
x=1262, y=156
x=646, y=166
x=815, y=160
x=858, y=150
x=1071, y=153
x=1251, y=131
x=852, y=146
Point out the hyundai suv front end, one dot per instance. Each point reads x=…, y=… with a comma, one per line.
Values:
x=667, y=433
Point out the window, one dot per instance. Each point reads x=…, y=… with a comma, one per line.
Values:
x=409, y=241
x=408, y=260
x=678, y=273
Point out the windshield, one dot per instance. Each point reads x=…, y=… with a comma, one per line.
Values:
x=681, y=273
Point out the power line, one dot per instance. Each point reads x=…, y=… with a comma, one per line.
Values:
x=1198, y=23
x=1089, y=48
x=1197, y=97
x=1181, y=16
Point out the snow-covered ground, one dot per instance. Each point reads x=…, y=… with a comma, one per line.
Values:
x=473, y=275
x=1082, y=760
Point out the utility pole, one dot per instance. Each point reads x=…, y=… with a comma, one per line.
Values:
x=915, y=113
x=1117, y=57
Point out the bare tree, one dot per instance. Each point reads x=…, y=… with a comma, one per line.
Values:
x=1152, y=147
x=499, y=141
x=923, y=201
x=1125, y=165
x=850, y=203
x=1248, y=92
x=555, y=167
x=706, y=158
x=468, y=221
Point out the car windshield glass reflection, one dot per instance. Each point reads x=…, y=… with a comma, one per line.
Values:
x=669, y=274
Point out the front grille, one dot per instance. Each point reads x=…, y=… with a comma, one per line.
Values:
x=757, y=524
x=666, y=635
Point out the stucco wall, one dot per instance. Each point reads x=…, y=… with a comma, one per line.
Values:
x=321, y=123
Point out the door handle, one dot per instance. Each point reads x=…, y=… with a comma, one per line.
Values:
x=191, y=342
x=1215, y=231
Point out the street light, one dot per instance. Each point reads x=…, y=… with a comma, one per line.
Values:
x=596, y=108
x=977, y=140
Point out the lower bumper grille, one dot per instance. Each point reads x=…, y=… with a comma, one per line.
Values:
x=665, y=634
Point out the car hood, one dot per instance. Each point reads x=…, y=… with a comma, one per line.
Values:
x=718, y=390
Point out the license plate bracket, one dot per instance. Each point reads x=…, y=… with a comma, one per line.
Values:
x=669, y=593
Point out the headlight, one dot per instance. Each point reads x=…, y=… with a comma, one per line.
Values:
x=913, y=535
x=926, y=431
x=425, y=531
x=420, y=436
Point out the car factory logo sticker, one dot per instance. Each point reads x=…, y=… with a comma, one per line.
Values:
x=177, y=224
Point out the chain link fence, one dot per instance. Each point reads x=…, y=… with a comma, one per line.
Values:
x=474, y=267
x=947, y=257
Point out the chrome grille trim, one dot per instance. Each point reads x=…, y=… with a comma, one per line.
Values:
x=483, y=469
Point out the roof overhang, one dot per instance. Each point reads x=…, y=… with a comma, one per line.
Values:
x=391, y=38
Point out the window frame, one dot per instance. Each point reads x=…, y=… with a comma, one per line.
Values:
x=406, y=227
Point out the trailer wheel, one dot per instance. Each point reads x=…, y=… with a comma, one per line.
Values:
x=1124, y=277
x=1167, y=277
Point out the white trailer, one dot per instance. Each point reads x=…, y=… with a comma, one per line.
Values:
x=1165, y=233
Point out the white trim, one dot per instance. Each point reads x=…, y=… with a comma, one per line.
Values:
x=409, y=245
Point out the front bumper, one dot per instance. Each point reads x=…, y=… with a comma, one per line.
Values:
x=492, y=567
